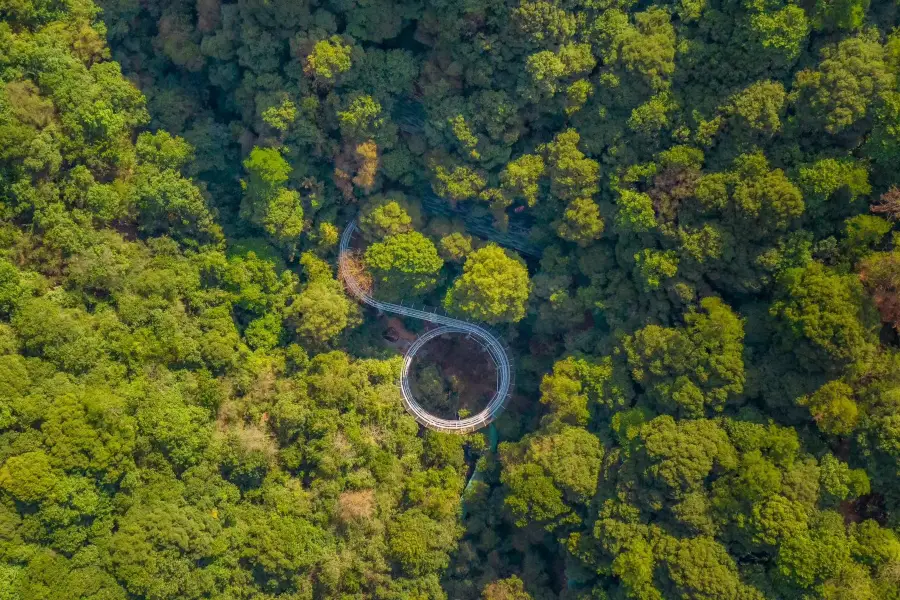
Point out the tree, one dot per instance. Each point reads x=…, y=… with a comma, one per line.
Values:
x=161, y=436
x=28, y=477
x=840, y=482
x=880, y=274
x=883, y=143
x=577, y=386
x=328, y=59
x=460, y=183
x=455, y=247
x=572, y=175
x=653, y=267
x=783, y=30
x=385, y=216
x=832, y=187
x=511, y=588
x=635, y=211
x=175, y=427
x=888, y=204
x=766, y=197
x=759, y=107
x=840, y=92
x=581, y=222
x=644, y=50
x=702, y=568
x=267, y=203
x=419, y=544
x=357, y=165
x=320, y=312
x=817, y=556
x=833, y=409
x=11, y=292
x=66, y=337
x=283, y=547
x=521, y=178
x=680, y=455
x=652, y=117
x=493, y=287
x=570, y=456
x=49, y=572
x=404, y=265
x=543, y=21
x=166, y=201
x=694, y=369
x=280, y=116
x=163, y=150
x=361, y=119
x=736, y=224
x=158, y=547
x=839, y=14
x=874, y=545
x=823, y=316
x=179, y=418
x=90, y=431
x=533, y=496
x=863, y=234
x=327, y=235
x=547, y=68
x=284, y=217
x=431, y=389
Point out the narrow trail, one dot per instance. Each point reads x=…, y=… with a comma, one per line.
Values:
x=493, y=345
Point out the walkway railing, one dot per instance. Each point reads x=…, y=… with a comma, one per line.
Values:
x=489, y=341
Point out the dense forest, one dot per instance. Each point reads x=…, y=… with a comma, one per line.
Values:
x=682, y=216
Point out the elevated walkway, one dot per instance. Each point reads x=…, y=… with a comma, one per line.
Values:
x=491, y=343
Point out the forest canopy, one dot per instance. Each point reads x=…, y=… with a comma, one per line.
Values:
x=681, y=216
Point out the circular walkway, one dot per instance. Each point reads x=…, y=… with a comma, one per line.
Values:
x=493, y=345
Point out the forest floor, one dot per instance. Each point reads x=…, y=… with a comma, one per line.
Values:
x=395, y=333
x=467, y=376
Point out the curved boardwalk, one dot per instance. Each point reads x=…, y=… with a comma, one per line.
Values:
x=490, y=342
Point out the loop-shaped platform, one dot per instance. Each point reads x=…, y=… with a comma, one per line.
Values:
x=490, y=342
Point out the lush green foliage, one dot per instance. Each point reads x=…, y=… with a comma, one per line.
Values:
x=164, y=432
x=493, y=287
x=681, y=215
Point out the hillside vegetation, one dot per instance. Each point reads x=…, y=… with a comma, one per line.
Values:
x=682, y=216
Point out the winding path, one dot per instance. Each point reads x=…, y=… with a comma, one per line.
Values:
x=489, y=342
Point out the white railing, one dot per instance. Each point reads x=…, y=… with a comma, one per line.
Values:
x=494, y=347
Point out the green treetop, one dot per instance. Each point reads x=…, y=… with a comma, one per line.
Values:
x=404, y=265
x=328, y=59
x=493, y=287
x=267, y=203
